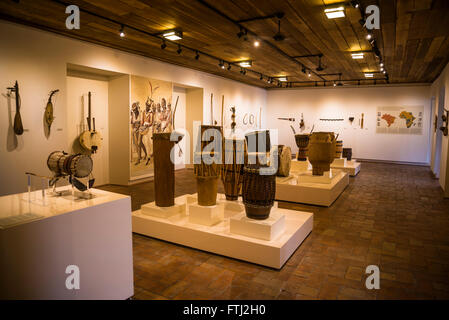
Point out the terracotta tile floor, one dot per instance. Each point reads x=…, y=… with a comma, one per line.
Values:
x=393, y=216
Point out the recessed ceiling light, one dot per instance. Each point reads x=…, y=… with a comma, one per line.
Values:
x=358, y=55
x=256, y=43
x=309, y=74
x=282, y=79
x=381, y=69
x=245, y=64
x=122, y=31
x=369, y=75
x=369, y=36
x=381, y=64
x=172, y=35
x=333, y=13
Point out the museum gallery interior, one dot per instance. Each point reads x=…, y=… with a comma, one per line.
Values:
x=225, y=150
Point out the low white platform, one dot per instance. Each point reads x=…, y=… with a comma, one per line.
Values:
x=38, y=242
x=339, y=162
x=151, y=209
x=351, y=167
x=218, y=238
x=268, y=229
x=206, y=215
x=299, y=166
x=321, y=194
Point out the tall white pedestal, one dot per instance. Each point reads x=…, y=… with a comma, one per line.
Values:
x=93, y=235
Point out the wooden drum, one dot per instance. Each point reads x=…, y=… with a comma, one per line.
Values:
x=284, y=161
x=338, y=149
x=302, y=142
x=258, y=192
x=207, y=175
x=164, y=170
x=63, y=164
x=347, y=153
x=232, y=168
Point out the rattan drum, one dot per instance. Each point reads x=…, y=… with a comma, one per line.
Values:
x=232, y=168
x=258, y=191
x=284, y=161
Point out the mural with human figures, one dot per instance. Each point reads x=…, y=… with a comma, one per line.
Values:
x=150, y=112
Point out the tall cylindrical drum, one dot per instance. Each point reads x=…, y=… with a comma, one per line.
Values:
x=207, y=172
x=338, y=148
x=321, y=151
x=232, y=167
x=258, y=191
x=258, y=145
x=302, y=142
x=347, y=153
x=164, y=170
x=209, y=137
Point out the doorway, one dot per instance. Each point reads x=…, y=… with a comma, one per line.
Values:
x=439, y=133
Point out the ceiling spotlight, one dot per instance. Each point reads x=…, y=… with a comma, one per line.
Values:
x=256, y=43
x=269, y=80
x=369, y=75
x=309, y=74
x=245, y=64
x=243, y=33
x=333, y=13
x=163, y=45
x=381, y=64
x=122, y=31
x=179, y=49
x=279, y=36
x=303, y=69
x=221, y=64
x=282, y=79
x=197, y=55
x=355, y=4
x=243, y=71
x=229, y=67
x=335, y=84
x=357, y=55
x=369, y=36
x=172, y=35
x=261, y=77
x=382, y=69
x=319, y=68
x=362, y=21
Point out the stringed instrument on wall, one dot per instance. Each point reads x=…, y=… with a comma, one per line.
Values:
x=18, y=126
x=49, y=117
x=90, y=139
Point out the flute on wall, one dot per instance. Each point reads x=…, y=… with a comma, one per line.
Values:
x=212, y=109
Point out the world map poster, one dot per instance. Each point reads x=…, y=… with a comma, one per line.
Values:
x=400, y=120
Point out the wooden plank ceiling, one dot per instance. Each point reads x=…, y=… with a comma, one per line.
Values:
x=413, y=39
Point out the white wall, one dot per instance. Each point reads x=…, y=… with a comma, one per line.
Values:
x=316, y=103
x=442, y=82
x=38, y=60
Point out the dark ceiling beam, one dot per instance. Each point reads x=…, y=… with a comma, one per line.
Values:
x=222, y=14
x=309, y=56
x=278, y=15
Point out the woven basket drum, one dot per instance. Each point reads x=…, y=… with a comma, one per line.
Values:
x=258, y=192
x=232, y=167
x=302, y=142
x=258, y=154
x=207, y=176
x=347, y=153
x=321, y=152
x=338, y=148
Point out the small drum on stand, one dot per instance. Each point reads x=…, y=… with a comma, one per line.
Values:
x=338, y=149
x=207, y=175
x=347, y=153
x=284, y=161
x=232, y=169
x=302, y=142
x=258, y=191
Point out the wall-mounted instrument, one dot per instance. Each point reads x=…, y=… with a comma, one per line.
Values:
x=332, y=119
x=233, y=124
x=18, y=126
x=435, y=123
x=90, y=139
x=445, y=126
x=49, y=118
x=351, y=119
x=362, y=120
x=301, y=123
x=73, y=166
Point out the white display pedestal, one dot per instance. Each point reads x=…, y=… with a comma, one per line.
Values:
x=322, y=194
x=351, y=167
x=340, y=162
x=268, y=229
x=299, y=166
x=218, y=238
x=308, y=177
x=39, y=242
x=206, y=216
x=151, y=209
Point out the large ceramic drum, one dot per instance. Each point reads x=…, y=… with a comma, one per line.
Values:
x=63, y=164
x=258, y=191
x=321, y=151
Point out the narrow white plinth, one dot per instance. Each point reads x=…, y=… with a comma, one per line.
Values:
x=352, y=167
x=41, y=241
x=299, y=166
x=206, y=216
x=268, y=229
x=151, y=209
x=218, y=239
x=341, y=162
x=308, y=177
x=322, y=194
